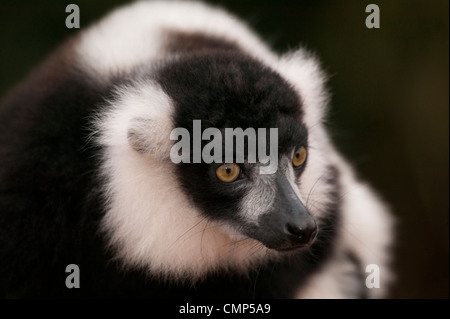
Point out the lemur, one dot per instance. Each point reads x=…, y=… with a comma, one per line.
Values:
x=86, y=176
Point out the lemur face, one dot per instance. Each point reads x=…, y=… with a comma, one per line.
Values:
x=233, y=91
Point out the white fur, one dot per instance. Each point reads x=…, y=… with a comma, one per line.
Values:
x=367, y=227
x=135, y=35
x=260, y=197
x=149, y=220
x=303, y=71
x=366, y=231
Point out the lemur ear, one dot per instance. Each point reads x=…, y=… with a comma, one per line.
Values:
x=140, y=118
x=151, y=136
x=303, y=71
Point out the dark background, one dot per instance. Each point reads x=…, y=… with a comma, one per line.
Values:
x=389, y=110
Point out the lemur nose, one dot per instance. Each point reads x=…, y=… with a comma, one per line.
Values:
x=301, y=235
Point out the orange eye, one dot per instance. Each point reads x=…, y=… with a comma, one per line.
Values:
x=299, y=157
x=228, y=172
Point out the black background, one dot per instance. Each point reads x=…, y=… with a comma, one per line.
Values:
x=390, y=100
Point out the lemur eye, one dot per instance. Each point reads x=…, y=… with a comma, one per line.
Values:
x=228, y=172
x=299, y=157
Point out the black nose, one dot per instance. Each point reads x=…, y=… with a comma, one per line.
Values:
x=301, y=235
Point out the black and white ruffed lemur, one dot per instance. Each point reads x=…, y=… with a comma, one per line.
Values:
x=86, y=176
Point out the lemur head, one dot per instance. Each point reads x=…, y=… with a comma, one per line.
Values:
x=212, y=214
x=229, y=90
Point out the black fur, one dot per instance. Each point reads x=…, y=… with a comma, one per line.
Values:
x=229, y=90
x=50, y=202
